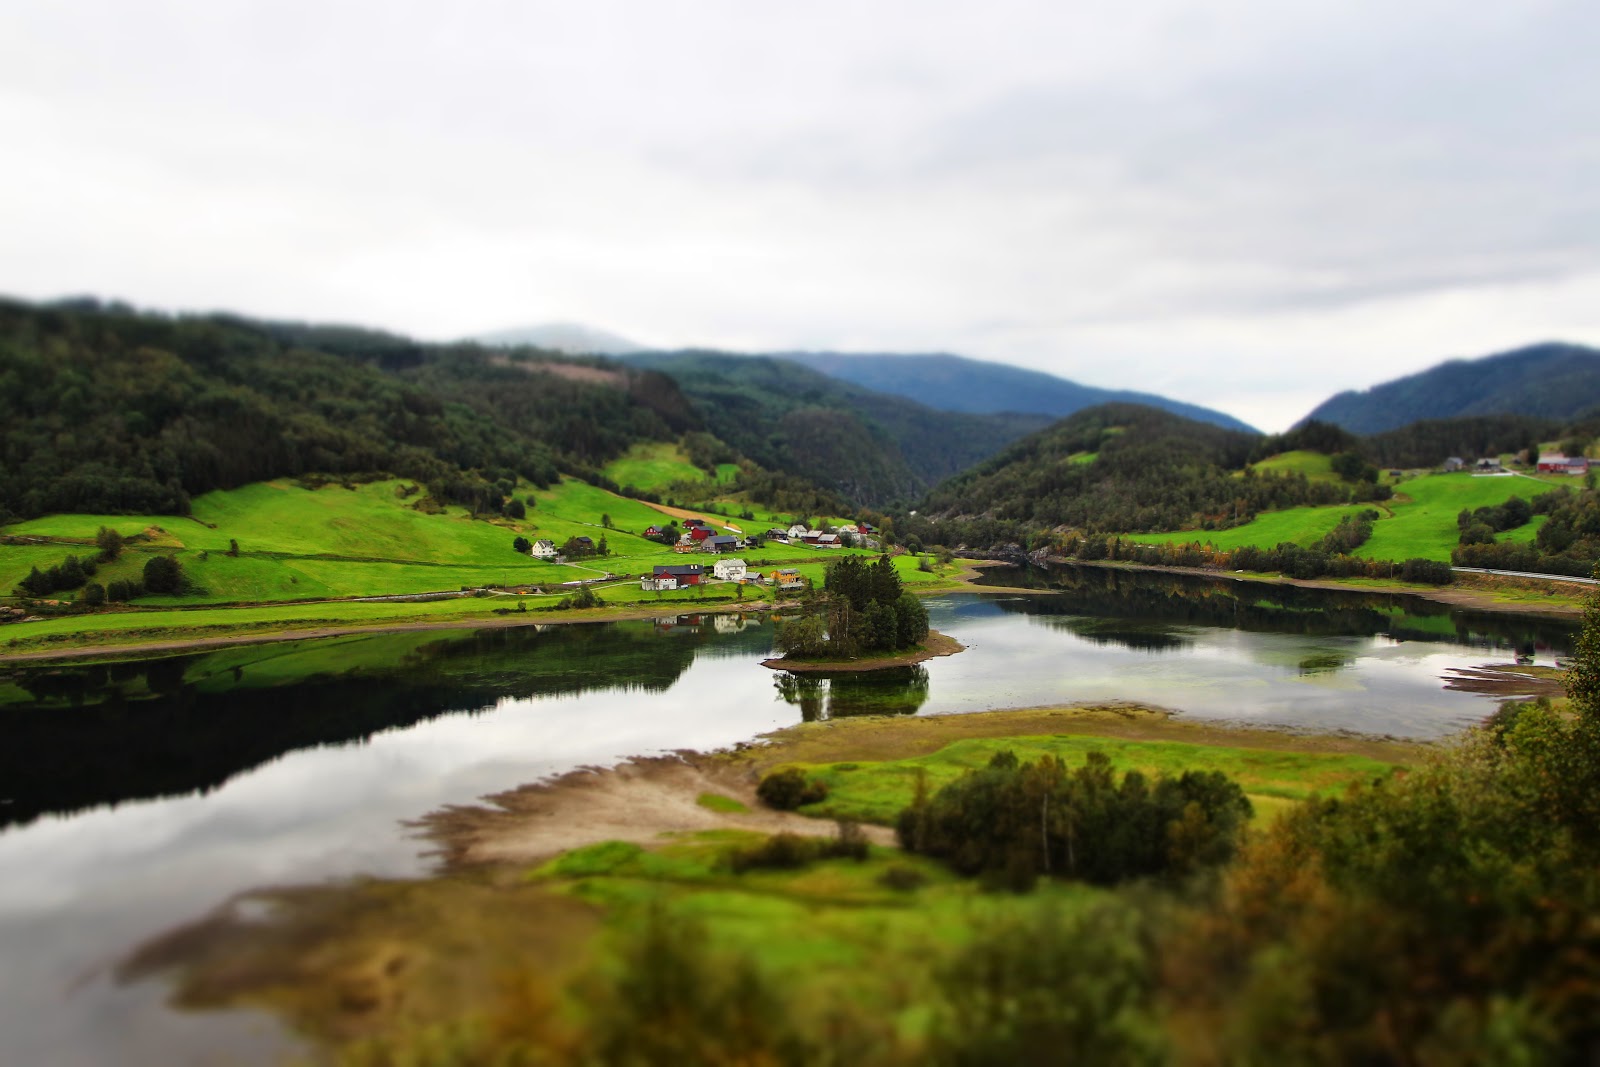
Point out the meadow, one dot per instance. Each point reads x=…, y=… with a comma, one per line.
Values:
x=303, y=554
x=1418, y=522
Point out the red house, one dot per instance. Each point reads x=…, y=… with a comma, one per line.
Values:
x=699, y=533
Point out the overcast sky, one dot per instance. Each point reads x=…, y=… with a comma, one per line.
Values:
x=1248, y=205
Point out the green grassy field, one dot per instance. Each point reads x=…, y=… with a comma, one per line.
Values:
x=877, y=792
x=1317, y=466
x=653, y=466
x=298, y=547
x=1419, y=522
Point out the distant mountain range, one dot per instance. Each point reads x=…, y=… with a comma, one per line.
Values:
x=570, y=338
x=938, y=380
x=955, y=383
x=1553, y=381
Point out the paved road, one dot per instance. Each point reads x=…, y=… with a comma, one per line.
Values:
x=1526, y=574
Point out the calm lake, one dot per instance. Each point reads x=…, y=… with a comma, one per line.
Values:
x=138, y=795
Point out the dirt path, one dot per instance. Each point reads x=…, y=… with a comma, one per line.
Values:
x=685, y=513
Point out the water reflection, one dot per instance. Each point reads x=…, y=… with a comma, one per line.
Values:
x=837, y=695
x=1155, y=608
x=81, y=736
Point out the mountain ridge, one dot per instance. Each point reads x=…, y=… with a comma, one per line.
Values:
x=1551, y=379
x=949, y=382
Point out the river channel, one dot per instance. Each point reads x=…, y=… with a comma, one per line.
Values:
x=138, y=795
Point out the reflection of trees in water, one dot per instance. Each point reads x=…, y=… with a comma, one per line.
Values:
x=105, y=733
x=890, y=691
x=1142, y=609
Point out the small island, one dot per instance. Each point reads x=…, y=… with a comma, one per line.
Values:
x=933, y=646
x=864, y=620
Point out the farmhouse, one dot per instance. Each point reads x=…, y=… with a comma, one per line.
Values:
x=543, y=550
x=777, y=534
x=1556, y=463
x=1454, y=463
x=732, y=570
x=673, y=576
x=797, y=531
x=653, y=531
x=691, y=523
x=720, y=543
x=788, y=578
x=699, y=533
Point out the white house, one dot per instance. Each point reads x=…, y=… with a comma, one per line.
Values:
x=732, y=570
x=797, y=531
x=543, y=550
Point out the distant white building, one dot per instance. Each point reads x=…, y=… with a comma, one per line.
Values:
x=543, y=550
x=797, y=531
x=732, y=570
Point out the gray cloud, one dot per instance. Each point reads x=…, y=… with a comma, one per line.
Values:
x=1247, y=204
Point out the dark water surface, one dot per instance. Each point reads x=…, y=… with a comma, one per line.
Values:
x=139, y=795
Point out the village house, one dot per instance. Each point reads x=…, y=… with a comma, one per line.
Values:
x=720, y=543
x=730, y=570
x=543, y=550
x=1557, y=463
x=777, y=534
x=797, y=531
x=692, y=523
x=699, y=533
x=673, y=576
x=1454, y=463
x=788, y=578
x=830, y=541
x=653, y=531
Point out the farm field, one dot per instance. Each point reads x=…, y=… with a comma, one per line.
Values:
x=301, y=544
x=304, y=552
x=1419, y=522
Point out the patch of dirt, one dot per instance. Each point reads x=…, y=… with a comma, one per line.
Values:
x=637, y=801
x=1507, y=680
x=576, y=372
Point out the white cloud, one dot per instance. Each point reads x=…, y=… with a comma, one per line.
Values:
x=1244, y=204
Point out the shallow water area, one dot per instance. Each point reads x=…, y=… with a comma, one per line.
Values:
x=143, y=794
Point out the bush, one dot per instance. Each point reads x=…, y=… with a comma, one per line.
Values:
x=902, y=879
x=521, y=545
x=1428, y=571
x=109, y=542
x=789, y=788
x=163, y=575
x=94, y=594
x=788, y=852
x=121, y=590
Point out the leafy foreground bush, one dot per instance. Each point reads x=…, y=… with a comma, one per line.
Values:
x=787, y=789
x=1013, y=822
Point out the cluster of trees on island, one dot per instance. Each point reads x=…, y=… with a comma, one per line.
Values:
x=864, y=610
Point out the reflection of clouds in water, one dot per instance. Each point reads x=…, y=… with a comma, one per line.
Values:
x=79, y=889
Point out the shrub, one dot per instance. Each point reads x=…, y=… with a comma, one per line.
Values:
x=94, y=594
x=163, y=574
x=902, y=879
x=789, y=788
x=109, y=542
x=788, y=852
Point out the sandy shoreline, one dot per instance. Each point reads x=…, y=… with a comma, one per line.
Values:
x=935, y=645
x=646, y=800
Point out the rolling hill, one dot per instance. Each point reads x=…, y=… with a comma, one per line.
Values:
x=104, y=409
x=1124, y=467
x=1553, y=381
x=955, y=383
x=871, y=447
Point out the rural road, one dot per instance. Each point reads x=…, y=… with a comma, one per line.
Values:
x=1526, y=574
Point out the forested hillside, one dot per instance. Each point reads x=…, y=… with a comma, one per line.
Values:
x=1125, y=467
x=1557, y=381
x=871, y=447
x=106, y=410
x=955, y=383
